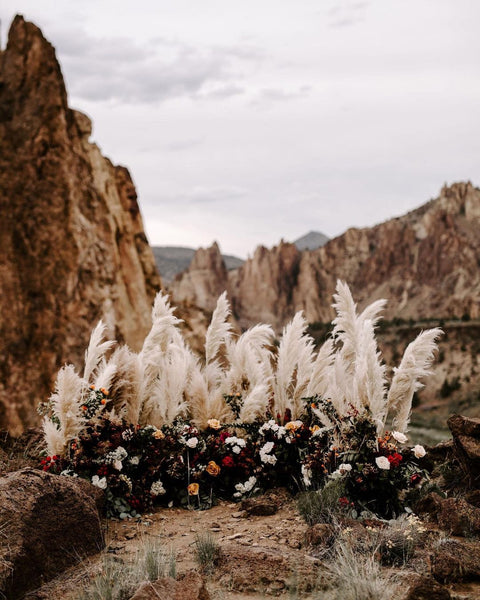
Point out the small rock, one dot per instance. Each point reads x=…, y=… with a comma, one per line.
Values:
x=235, y=536
x=130, y=535
x=426, y=588
x=320, y=535
x=189, y=587
x=241, y=514
x=260, y=506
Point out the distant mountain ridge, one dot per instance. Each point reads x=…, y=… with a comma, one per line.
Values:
x=311, y=240
x=173, y=260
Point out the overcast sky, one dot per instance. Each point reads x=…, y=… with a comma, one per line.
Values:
x=248, y=121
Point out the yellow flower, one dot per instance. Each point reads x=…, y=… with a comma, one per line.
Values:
x=293, y=425
x=213, y=469
x=158, y=435
x=193, y=489
x=314, y=428
x=214, y=423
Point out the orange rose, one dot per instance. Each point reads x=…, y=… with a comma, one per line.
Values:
x=213, y=469
x=193, y=489
x=158, y=435
x=314, y=428
x=293, y=425
x=214, y=423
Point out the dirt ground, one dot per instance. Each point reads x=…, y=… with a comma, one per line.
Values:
x=269, y=542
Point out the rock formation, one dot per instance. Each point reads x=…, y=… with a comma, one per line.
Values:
x=425, y=263
x=204, y=280
x=72, y=245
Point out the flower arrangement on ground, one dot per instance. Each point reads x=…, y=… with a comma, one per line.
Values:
x=160, y=426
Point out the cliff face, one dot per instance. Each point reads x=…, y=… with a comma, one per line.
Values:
x=425, y=263
x=72, y=245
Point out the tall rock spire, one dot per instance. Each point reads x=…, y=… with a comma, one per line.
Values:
x=72, y=244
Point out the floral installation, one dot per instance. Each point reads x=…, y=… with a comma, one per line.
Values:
x=159, y=427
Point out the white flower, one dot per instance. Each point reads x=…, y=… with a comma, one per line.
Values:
x=270, y=459
x=192, y=442
x=400, y=437
x=117, y=464
x=134, y=460
x=243, y=488
x=100, y=483
x=281, y=432
x=157, y=488
x=267, y=447
x=419, y=451
x=345, y=468
x=306, y=474
x=382, y=462
x=236, y=449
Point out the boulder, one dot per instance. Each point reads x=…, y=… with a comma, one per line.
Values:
x=458, y=517
x=189, y=587
x=426, y=588
x=466, y=440
x=47, y=523
x=455, y=561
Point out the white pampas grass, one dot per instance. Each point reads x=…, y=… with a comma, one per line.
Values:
x=165, y=380
x=415, y=364
x=66, y=404
x=319, y=379
x=219, y=330
x=96, y=351
x=294, y=365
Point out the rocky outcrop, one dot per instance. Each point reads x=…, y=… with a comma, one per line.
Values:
x=425, y=263
x=47, y=523
x=204, y=280
x=72, y=244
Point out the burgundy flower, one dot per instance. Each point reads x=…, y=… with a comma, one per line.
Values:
x=228, y=461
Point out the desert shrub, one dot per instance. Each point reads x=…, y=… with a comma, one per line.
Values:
x=207, y=551
x=354, y=575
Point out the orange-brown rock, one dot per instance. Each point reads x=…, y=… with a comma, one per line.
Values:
x=72, y=244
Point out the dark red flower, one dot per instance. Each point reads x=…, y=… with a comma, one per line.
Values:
x=395, y=459
x=344, y=501
x=228, y=461
x=415, y=478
